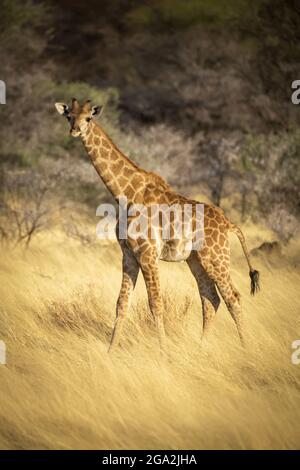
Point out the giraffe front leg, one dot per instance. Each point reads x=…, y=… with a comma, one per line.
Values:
x=151, y=276
x=129, y=277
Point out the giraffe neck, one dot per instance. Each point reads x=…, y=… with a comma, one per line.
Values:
x=120, y=175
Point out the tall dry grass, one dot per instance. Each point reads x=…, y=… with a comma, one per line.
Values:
x=60, y=389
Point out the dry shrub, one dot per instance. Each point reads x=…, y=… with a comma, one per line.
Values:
x=160, y=148
x=79, y=230
x=26, y=207
x=284, y=224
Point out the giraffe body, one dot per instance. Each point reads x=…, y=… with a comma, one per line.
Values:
x=210, y=265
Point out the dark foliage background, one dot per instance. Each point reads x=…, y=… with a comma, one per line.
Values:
x=197, y=90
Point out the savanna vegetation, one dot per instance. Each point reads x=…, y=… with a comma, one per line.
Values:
x=198, y=91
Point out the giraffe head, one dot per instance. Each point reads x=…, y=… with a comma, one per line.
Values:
x=77, y=115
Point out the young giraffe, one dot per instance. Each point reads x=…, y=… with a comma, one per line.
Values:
x=209, y=265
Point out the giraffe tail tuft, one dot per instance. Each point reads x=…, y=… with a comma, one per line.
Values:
x=254, y=276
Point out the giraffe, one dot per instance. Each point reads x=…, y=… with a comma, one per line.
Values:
x=209, y=265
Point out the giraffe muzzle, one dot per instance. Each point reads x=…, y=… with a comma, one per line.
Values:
x=75, y=132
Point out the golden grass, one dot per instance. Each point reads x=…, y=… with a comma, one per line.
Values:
x=60, y=389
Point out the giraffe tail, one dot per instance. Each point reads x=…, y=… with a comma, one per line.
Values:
x=254, y=275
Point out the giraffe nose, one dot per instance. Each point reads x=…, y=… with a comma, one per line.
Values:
x=75, y=131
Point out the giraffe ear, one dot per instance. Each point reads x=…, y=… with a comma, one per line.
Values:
x=62, y=109
x=97, y=110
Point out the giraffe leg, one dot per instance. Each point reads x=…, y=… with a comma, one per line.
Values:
x=232, y=299
x=151, y=276
x=129, y=277
x=208, y=293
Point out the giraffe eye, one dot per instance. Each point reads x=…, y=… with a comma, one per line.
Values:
x=88, y=119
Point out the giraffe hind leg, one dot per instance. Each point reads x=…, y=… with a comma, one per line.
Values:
x=232, y=299
x=208, y=293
